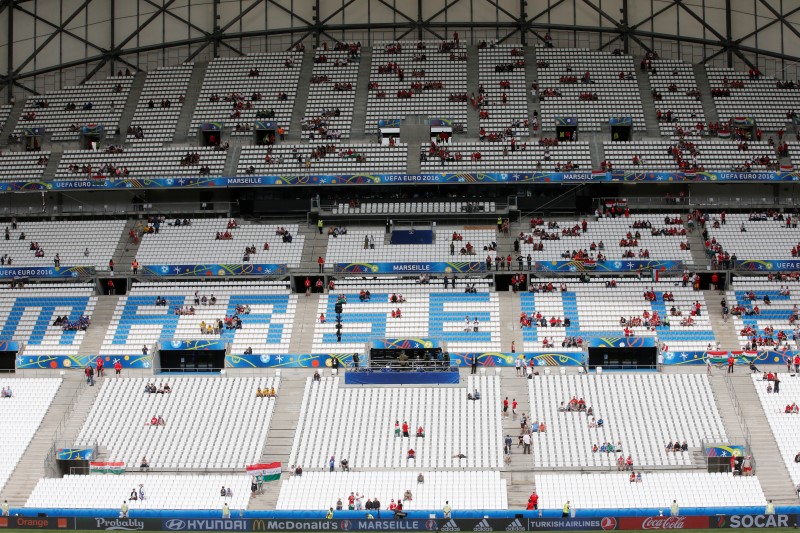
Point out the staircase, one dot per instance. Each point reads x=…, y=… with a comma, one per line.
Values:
x=531, y=76
x=294, y=129
x=52, y=163
x=727, y=409
x=473, y=124
x=649, y=105
x=182, y=132
x=31, y=467
x=724, y=332
x=709, y=109
x=360, y=102
x=11, y=122
x=130, y=104
x=96, y=334
x=697, y=248
x=519, y=474
x=304, y=323
x=415, y=132
x=126, y=250
x=282, y=430
x=232, y=158
x=769, y=465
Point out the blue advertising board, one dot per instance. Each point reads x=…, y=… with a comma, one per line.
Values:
x=410, y=268
x=767, y=264
x=629, y=265
x=80, y=361
x=303, y=360
x=211, y=270
x=47, y=272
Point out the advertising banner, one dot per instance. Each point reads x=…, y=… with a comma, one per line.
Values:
x=621, y=342
x=404, y=344
x=577, y=524
x=760, y=521
x=409, y=268
x=80, y=361
x=36, y=522
x=628, y=523
x=303, y=360
x=193, y=345
x=764, y=265
x=509, y=358
x=47, y=272
x=243, y=269
x=75, y=454
x=632, y=265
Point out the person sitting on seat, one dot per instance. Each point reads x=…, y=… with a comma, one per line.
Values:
x=344, y=464
x=684, y=447
x=145, y=463
x=421, y=477
x=154, y=421
x=317, y=377
x=259, y=394
x=407, y=497
x=420, y=432
x=411, y=454
x=161, y=421
x=222, y=491
x=134, y=495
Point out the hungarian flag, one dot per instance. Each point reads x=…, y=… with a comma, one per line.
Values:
x=269, y=471
x=103, y=467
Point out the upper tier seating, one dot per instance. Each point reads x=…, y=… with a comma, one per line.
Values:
x=349, y=248
x=452, y=425
x=464, y=490
x=20, y=417
x=28, y=315
x=499, y=157
x=749, y=244
x=641, y=413
x=5, y=111
x=429, y=311
x=445, y=66
x=405, y=207
x=159, y=121
x=139, y=321
x=655, y=156
x=657, y=490
x=23, y=166
x=794, y=153
x=759, y=98
x=141, y=162
x=107, y=97
x=687, y=110
x=232, y=75
x=595, y=311
x=331, y=67
x=161, y=491
x=197, y=244
x=68, y=238
x=784, y=426
x=615, y=97
x=775, y=315
x=514, y=110
x=201, y=415
x=300, y=159
x=611, y=231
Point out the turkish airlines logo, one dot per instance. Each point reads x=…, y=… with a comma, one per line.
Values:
x=608, y=523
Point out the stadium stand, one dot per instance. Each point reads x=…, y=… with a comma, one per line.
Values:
x=594, y=310
x=329, y=109
x=22, y=414
x=349, y=248
x=784, y=426
x=69, y=239
x=200, y=417
x=231, y=82
x=654, y=156
x=428, y=311
x=375, y=207
x=773, y=326
x=563, y=69
x=198, y=243
x=501, y=157
x=660, y=235
x=29, y=317
x=161, y=491
x=464, y=490
x=504, y=98
x=27, y=166
x=453, y=425
x=62, y=113
x=139, y=321
x=160, y=104
x=759, y=228
x=422, y=63
x=640, y=414
x=5, y=111
x=301, y=159
x=656, y=490
x=674, y=88
x=759, y=98
x=142, y=162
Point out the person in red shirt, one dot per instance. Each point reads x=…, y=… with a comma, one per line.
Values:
x=505, y=407
x=514, y=407
x=307, y=284
x=100, y=372
x=117, y=367
x=533, y=501
x=405, y=429
x=321, y=263
x=730, y=364
x=154, y=421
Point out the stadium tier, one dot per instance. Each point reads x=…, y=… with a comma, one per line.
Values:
x=23, y=165
x=679, y=155
x=782, y=424
x=453, y=426
x=596, y=311
x=744, y=235
x=141, y=162
x=266, y=310
x=504, y=99
x=674, y=89
x=48, y=319
x=523, y=156
x=773, y=326
x=640, y=414
x=329, y=109
x=22, y=413
x=160, y=104
x=427, y=310
x=199, y=417
x=294, y=159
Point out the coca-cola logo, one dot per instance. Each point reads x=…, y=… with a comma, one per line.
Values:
x=608, y=523
x=664, y=522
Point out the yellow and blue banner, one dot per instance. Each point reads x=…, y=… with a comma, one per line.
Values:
x=214, y=270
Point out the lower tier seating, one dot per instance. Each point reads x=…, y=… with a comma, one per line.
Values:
x=201, y=415
x=161, y=491
x=656, y=490
x=452, y=424
x=640, y=414
x=784, y=426
x=464, y=490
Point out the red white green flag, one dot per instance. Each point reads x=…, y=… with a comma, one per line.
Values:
x=104, y=467
x=269, y=471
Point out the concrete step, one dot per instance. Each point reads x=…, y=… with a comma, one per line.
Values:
x=295, y=127
x=709, y=109
x=182, y=133
x=724, y=331
x=130, y=104
x=360, y=101
x=304, y=323
x=648, y=104
x=473, y=124
x=11, y=121
x=101, y=319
